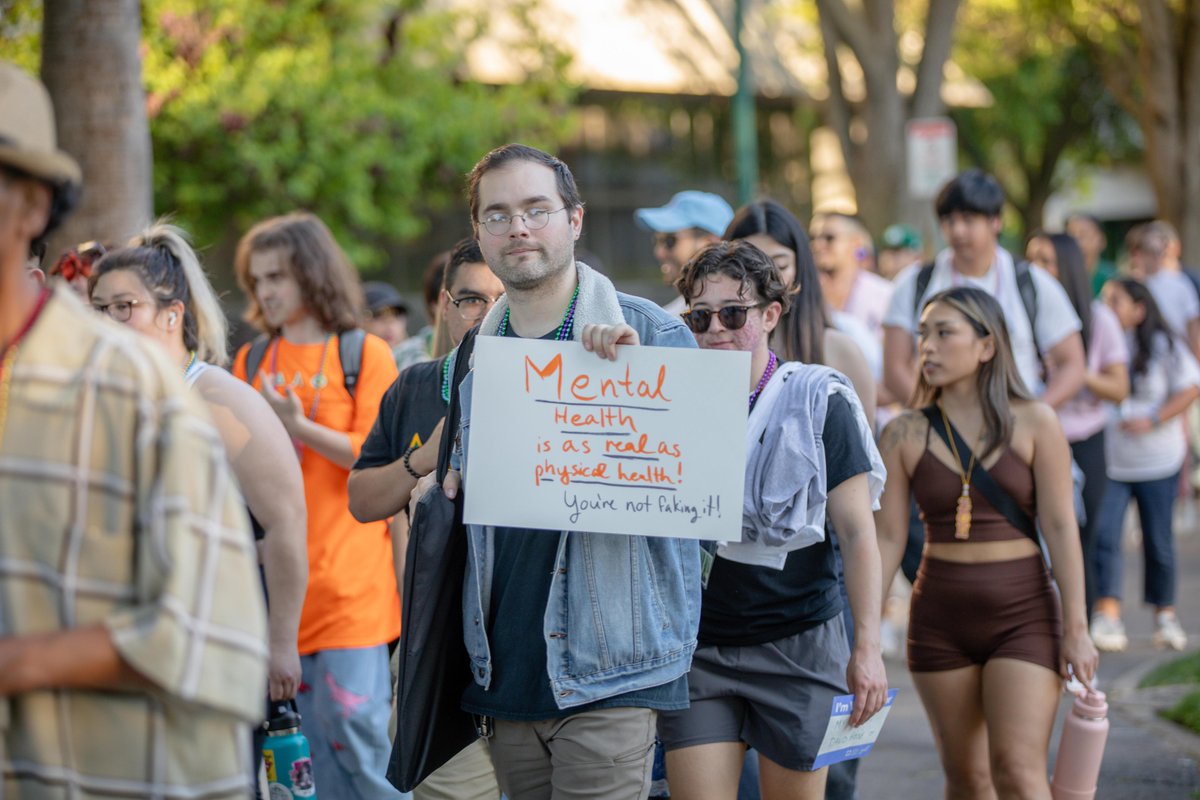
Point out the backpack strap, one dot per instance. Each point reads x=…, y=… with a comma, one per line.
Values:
x=1028, y=293
x=350, y=349
x=254, y=356
x=922, y=284
x=981, y=479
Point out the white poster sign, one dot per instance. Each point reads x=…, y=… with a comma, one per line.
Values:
x=652, y=444
x=931, y=145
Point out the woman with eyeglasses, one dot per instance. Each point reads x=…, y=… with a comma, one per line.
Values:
x=157, y=287
x=989, y=643
x=806, y=332
x=773, y=651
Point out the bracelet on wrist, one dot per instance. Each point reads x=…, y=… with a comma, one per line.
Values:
x=408, y=463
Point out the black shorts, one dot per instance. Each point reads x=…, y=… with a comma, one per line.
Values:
x=775, y=697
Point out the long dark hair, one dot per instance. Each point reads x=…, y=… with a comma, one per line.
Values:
x=1072, y=274
x=802, y=328
x=997, y=380
x=1148, y=330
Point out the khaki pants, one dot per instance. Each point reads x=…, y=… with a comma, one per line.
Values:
x=608, y=753
x=467, y=776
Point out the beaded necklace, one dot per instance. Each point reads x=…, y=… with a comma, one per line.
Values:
x=318, y=382
x=8, y=362
x=446, y=379
x=191, y=363
x=772, y=362
x=565, y=328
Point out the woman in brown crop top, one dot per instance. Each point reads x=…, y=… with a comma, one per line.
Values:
x=988, y=645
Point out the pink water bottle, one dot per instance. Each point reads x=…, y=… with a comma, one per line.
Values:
x=1081, y=749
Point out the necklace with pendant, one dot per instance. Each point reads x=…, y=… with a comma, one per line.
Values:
x=962, y=511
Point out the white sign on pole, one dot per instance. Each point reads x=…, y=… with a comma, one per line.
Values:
x=931, y=145
x=652, y=444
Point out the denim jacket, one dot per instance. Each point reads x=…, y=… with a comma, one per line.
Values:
x=623, y=611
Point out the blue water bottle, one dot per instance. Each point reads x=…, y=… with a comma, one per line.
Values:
x=286, y=755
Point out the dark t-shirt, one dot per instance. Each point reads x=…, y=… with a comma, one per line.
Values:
x=746, y=604
x=408, y=413
x=523, y=566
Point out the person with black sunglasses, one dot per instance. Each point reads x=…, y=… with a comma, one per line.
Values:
x=772, y=649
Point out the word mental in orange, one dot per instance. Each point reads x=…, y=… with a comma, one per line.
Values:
x=587, y=388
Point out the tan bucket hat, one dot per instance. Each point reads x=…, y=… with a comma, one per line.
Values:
x=27, y=135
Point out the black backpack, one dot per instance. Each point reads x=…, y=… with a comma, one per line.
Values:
x=350, y=347
x=1025, y=288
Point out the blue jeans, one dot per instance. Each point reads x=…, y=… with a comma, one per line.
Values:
x=345, y=702
x=1155, y=503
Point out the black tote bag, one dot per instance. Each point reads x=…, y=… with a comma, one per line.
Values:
x=434, y=668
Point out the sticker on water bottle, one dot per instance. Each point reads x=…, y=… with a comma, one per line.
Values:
x=302, y=778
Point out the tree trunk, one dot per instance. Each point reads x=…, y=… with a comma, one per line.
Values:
x=877, y=165
x=92, y=68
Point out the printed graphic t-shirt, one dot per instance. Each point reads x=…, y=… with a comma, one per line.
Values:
x=352, y=599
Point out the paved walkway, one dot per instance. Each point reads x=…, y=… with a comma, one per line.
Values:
x=1146, y=757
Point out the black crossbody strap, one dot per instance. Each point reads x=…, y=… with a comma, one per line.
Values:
x=462, y=365
x=993, y=492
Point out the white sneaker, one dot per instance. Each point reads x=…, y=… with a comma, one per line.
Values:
x=1168, y=632
x=1108, y=634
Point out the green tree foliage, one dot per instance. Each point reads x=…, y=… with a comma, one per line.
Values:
x=357, y=110
x=20, y=32
x=352, y=109
x=1050, y=105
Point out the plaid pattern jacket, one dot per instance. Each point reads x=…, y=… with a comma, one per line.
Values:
x=117, y=508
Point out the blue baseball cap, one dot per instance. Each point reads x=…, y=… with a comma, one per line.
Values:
x=690, y=209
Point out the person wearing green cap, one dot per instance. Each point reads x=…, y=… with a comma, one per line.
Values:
x=899, y=246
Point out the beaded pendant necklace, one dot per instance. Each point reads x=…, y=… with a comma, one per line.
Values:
x=566, y=328
x=318, y=382
x=962, y=509
x=772, y=363
x=9, y=359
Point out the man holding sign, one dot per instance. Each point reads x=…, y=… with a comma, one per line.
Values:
x=576, y=640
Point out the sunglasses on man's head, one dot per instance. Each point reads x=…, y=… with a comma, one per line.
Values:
x=732, y=317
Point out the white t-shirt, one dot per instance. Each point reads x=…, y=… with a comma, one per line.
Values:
x=1056, y=317
x=1159, y=453
x=1176, y=298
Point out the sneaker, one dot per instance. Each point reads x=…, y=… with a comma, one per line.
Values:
x=1108, y=634
x=1168, y=632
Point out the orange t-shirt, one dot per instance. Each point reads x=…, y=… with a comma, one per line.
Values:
x=352, y=599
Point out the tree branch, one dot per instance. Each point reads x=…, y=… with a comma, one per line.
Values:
x=837, y=108
x=939, y=35
x=850, y=28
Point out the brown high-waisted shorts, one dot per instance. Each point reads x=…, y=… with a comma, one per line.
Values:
x=965, y=614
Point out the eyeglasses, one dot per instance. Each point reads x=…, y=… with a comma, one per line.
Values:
x=473, y=306
x=119, y=310
x=535, y=219
x=732, y=318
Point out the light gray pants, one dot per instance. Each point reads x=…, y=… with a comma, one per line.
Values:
x=607, y=753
